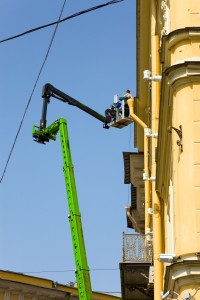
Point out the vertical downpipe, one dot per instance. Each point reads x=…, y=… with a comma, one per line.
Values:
x=156, y=205
x=146, y=163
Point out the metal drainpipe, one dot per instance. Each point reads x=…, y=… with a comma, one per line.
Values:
x=146, y=163
x=156, y=205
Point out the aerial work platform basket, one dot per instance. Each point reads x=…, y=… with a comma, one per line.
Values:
x=121, y=123
x=119, y=113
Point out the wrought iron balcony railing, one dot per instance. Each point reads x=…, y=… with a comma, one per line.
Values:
x=136, y=248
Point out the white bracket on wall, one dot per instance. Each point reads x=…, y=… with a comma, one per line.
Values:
x=170, y=258
x=145, y=177
x=150, y=211
x=147, y=76
x=149, y=234
x=148, y=133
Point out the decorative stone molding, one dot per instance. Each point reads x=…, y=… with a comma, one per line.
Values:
x=164, y=17
x=180, y=74
x=175, y=38
x=182, y=274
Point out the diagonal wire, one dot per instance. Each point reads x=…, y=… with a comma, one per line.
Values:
x=45, y=59
x=63, y=20
x=69, y=270
x=30, y=98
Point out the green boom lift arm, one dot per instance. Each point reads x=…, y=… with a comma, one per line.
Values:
x=82, y=269
x=43, y=134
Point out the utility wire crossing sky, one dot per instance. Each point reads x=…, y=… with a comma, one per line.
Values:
x=43, y=64
x=60, y=21
x=91, y=58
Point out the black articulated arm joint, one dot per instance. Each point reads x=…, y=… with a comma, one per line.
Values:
x=50, y=91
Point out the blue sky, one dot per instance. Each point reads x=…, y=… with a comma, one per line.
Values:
x=92, y=58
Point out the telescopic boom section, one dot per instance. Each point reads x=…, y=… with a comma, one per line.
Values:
x=43, y=134
x=82, y=269
x=50, y=91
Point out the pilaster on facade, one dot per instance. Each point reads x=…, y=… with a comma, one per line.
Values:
x=178, y=159
x=180, y=106
x=142, y=63
x=181, y=77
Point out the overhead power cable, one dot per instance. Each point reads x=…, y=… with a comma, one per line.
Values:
x=34, y=87
x=29, y=31
x=45, y=59
x=61, y=20
x=70, y=270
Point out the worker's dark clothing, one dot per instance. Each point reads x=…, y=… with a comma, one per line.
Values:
x=126, y=108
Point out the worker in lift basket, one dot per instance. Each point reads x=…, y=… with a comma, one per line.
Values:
x=125, y=98
x=110, y=113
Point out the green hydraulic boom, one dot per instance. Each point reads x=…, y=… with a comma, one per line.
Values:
x=82, y=269
x=43, y=134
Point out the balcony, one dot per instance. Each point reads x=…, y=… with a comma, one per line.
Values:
x=136, y=268
x=133, y=175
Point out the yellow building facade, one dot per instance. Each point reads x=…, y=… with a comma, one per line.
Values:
x=17, y=286
x=168, y=102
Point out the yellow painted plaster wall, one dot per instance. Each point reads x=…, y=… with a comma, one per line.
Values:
x=186, y=169
x=184, y=14
x=143, y=63
x=177, y=172
x=187, y=49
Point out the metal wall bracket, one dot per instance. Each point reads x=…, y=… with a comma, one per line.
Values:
x=180, y=135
